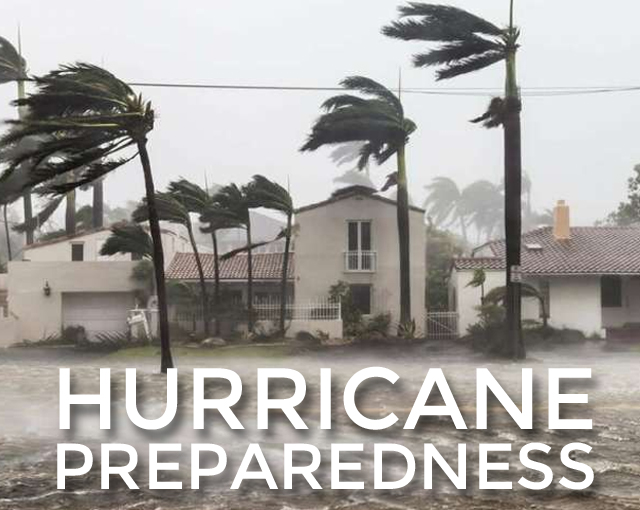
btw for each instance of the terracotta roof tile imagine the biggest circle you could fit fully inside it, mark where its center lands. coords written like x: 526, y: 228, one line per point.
x: 591, y: 250
x: 266, y: 266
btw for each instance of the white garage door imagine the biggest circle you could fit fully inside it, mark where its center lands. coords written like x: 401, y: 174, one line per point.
x: 97, y: 312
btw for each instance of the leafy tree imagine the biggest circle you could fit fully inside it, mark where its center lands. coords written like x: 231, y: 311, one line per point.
x: 468, y: 43
x: 14, y: 68
x: 271, y: 195
x: 171, y: 208
x: 442, y: 248
x: 628, y: 213
x: 94, y: 116
x: 378, y: 121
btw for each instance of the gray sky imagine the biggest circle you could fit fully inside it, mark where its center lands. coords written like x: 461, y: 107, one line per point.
x: 581, y: 149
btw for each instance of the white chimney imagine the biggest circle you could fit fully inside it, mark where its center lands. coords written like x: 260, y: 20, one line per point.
x: 561, y: 221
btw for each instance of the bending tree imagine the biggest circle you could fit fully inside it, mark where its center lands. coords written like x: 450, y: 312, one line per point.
x: 128, y: 239
x: 171, y: 209
x: 95, y: 116
x: 469, y: 43
x: 235, y: 203
x: 14, y: 68
x: 379, y: 122
x: 271, y: 195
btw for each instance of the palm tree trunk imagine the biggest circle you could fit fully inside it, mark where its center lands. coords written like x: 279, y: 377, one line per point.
x: 98, y: 204
x: 513, y: 207
x: 463, y: 229
x: 70, y: 223
x: 284, y: 281
x: 26, y: 196
x: 7, y: 232
x: 403, y: 239
x: 216, y: 277
x: 203, y: 285
x: 249, y: 278
x: 158, y: 259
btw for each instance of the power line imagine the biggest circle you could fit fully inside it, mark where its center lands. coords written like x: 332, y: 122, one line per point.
x: 559, y: 91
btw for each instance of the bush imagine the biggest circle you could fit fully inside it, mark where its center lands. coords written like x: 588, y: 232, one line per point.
x: 488, y: 334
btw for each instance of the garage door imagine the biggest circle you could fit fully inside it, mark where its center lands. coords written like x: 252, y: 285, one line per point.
x: 97, y: 312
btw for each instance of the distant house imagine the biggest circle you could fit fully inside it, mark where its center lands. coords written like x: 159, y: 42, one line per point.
x: 589, y: 276
x: 66, y: 282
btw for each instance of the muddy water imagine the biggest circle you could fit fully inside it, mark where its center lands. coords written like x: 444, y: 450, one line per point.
x: 29, y: 433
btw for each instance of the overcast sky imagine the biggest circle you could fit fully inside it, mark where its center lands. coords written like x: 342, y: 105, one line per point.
x: 581, y: 149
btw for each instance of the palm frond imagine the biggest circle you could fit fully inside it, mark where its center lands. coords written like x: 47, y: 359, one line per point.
x: 168, y: 208
x: 456, y: 51
x: 194, y: 198
x: 494, y: 116
x: 128, y: 238
x: 270, y: 195
x: 41, y: 217
x: 469, y: 65
x: 12, y: 65
x: 370, y: 87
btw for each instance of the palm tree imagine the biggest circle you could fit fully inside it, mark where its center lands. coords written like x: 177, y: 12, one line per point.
x: 271, y: 195
x: 128, y: 239
x: 171, y: 209
x: 14, y: 68
x: 378, y: 121
x: 235, y: 203
x: 477, y: 281
x: 445, y: 204
x: 469, y: 43
x: 483, y: 206
x: 95, y: 116
x: 498, y: 295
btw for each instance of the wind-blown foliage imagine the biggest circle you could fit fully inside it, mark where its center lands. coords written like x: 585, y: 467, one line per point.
x: 376, y: 119
x: 467, y: 43
x: 128, y: 238
x: 12, y: 65
x: 271, y: 195
x: 83, y: 117
x: 171, y: 208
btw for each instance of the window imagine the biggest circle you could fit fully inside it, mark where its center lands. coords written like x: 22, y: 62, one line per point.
x: 359, y: 256
x: 611, y: 291
x: 361, y: 298
x: 77, y: 252
x: 359, y: 236
x: 136, y: 257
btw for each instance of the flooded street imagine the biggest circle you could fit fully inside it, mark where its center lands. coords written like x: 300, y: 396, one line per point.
x: 29, y: 432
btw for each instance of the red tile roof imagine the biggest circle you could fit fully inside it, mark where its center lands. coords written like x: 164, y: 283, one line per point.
x: 266, y: 266
x: 591, y: 250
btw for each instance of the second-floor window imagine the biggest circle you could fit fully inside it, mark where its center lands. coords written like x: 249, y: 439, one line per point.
x: 77, y: 252
x: 360, y: 256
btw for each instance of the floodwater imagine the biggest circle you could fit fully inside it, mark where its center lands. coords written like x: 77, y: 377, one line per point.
x: 29, y: 433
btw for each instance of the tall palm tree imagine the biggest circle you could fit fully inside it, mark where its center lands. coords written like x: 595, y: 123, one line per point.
x: 271, y: 195
x: 171, y: 209
x: 469, y: 43
x: 378, y: 121
x: 13, y: 67
x: 95, y: 116
x: 483, y: 206
x: 235, y: 202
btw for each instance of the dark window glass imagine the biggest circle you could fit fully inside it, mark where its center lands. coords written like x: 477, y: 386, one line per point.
x: 136, y: 256
x: 77, y: 252
x: 353, y: 236
x: 361, y: 298
x: 611, y: 291
x: 365, y: 236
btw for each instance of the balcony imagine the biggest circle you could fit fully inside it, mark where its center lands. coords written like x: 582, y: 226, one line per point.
x: 360, y: 261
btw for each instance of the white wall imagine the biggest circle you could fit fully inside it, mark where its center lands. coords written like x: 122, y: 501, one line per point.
x: 60, y: 251
x: 322, y: 239
x: 575, y: 303
x: 39, y: 315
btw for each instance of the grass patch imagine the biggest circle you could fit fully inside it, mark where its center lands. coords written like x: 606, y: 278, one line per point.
x: 234, y: 351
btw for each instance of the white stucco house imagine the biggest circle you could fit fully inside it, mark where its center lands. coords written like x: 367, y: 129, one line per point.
x: 66, y: 282
x: 351, y: 237
x: 589, y: 276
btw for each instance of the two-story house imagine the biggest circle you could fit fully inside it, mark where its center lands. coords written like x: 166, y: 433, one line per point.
x: 353, y: 237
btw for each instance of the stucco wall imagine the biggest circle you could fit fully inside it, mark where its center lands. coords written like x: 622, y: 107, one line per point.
x: 39, y: 315
x: 575, y: 303
x: 322, y: 239
x: 172, y: 242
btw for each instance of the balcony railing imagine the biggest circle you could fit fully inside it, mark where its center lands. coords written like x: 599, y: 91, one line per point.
x: 360, y: 261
